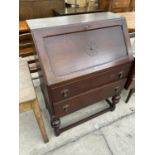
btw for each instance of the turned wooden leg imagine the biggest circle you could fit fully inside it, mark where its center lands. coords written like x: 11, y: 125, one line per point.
x: 129, y: 95
x: 56, y: 126
x: 38, y: 115
x: 115, y: 100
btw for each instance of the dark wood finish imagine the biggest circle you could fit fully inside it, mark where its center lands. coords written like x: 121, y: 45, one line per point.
x: 103, y: 4
x: 87, y: 83
x: 92, y: 63
x: 130, y: 18
x: 75, y: 11
x: 26, y: 44
x: 31, y: 9
x: 55, y: 123
x: 112, y: 106
x: 131, y: 91
x: 84, y: 99
x: 130, y: 84
x: 64, y: 67
x: 25, y: 36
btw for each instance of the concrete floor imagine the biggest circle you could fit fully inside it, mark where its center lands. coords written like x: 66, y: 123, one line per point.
x: 109, y: 134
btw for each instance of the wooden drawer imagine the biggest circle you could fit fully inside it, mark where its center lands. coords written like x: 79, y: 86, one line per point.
x: 120, y: 3
x: 87, y: 98
x: 74, y: 88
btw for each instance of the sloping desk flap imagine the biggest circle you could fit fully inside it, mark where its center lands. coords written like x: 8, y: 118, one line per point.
x: 75, y: 49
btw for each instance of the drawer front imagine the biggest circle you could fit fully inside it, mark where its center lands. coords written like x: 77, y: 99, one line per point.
x: 87, y: 98
x: 121, y: 4
x: 72, y: 89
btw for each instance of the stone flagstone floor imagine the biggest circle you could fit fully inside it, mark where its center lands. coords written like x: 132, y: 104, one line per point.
x: 109, y: 134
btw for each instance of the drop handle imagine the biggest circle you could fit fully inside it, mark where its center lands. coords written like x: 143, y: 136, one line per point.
x: 65, y: 92
x: 120, y: 74
x: 66, y: 108
x: 117, y: 89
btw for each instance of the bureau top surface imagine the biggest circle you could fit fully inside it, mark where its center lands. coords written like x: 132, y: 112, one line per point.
x: 69, y: 48
x: 73, y: 19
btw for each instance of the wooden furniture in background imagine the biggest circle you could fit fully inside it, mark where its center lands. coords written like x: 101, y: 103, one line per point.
x: 25, y: 40
x: 82, y: 3
x: 25, y: 44
x: 103, y: 4
x: 31, y: 9
x: 67, y: 5
x: 117, y: 5
x: 121, y: 5
x: 26, y: 48
x: 94, y: 67
x: 23, y: 27
x: 76, y: 11
x: 130, y: 18
x: 27, y: 97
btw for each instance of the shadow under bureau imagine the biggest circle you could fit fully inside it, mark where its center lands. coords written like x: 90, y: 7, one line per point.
x: 84, y: 59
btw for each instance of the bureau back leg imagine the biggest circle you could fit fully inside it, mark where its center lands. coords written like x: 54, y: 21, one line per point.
x: 129, y: 95
x: 55, y: 123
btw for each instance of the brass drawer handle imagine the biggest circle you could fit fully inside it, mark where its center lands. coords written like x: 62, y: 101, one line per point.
x: 65, y: 92
x: 66, y: 108
x: 117, y: 89
x: 120, y: 74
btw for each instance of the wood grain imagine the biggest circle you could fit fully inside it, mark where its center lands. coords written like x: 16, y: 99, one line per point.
x: 92, y: 63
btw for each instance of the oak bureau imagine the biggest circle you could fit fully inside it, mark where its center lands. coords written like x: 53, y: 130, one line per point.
x: 84, y: 59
